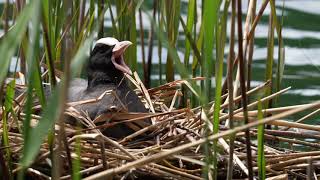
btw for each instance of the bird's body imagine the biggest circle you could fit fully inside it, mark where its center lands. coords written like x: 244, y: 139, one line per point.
x: 105, y: 72
x: 123, y: 99
x: 129, y: 100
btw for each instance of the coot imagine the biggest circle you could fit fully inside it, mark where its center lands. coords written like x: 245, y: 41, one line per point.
x: 105, y: 71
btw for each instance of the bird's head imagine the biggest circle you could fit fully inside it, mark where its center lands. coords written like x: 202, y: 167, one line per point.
x: 106, y: 60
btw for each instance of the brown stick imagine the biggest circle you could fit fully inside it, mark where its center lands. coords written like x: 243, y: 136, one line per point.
x: 164, y: 154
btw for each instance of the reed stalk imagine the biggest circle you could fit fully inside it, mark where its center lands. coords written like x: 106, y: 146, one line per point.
x: 200, y: 138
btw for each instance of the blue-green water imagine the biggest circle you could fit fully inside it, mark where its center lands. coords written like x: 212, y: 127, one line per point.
x: 301, y: 34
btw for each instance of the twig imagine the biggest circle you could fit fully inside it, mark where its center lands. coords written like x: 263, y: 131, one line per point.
x: 178, y: 149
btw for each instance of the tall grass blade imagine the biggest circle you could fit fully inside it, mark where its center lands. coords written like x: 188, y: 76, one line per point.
x: 251, y: 45
x: 261, y: 158
x: 243, y: 88
x: 48, y: 40
x: 196, y: 53
x: 148, y: 66
x: 81, y: 13
x: 220, y: 41
x: 115, y: 31
x: 10, y: 42
x: 197, y: 61
x: 59, y: 20
x: 34, y: 79
x: 131, y: 54
x: 5, y: 16
x: 50, y: 113
x: 270, y: 52
x: 143, y: 56
x: 281, y: 54
x: 189, y: 27
x: 126, y: 13
x: 161, y: 24
x: 209, y: 23
x: 100, y: 4
x: 172, y: 17
x: 281, y: 51
x: 181, y: 69
x: 76, y: 163
x: 8, y: 107
x: 230, y: 87
x: 191, y: 43
x: 172, y: 52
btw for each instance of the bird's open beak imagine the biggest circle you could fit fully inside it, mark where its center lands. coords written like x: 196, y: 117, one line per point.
x: 117, y: 57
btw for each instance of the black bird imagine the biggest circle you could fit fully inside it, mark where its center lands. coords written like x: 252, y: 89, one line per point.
x: 105, y: 71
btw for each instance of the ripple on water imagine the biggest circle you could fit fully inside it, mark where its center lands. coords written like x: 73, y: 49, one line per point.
x: 305, y: 92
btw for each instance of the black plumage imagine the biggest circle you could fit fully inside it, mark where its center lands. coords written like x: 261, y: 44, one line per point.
x: 105, y: 71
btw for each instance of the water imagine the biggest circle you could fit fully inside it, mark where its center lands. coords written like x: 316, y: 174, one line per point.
x: 301, y: 33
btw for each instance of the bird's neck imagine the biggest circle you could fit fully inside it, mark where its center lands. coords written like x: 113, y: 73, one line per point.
x: 102, y: 78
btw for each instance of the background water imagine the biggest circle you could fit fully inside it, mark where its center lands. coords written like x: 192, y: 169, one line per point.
x: 301, y: 33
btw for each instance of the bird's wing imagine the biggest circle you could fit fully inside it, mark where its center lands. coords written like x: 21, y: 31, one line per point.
x: 76, y: 89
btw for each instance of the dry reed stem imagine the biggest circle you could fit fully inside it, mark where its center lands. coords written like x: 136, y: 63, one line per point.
x: 251, y: 105
x: 278, y: 177
x: 307, y: 134
x: 272, y: 111
x: 291, y: 141
x: 300, y: 160
x: 305, y: 117
x: 284, y: 157
x: 162, y: 155
x: 235, y: 157
x: 176, y: 131
x: 295, y: 125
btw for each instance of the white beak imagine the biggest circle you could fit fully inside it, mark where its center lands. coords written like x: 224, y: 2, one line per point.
x: 117, y: 56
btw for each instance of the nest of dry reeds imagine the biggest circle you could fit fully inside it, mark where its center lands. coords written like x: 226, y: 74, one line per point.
x: 172, y: 147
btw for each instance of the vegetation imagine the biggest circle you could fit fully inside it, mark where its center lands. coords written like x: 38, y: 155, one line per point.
x: 197, y: 126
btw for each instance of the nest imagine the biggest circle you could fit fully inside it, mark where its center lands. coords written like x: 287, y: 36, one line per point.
x: 173, y: 146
